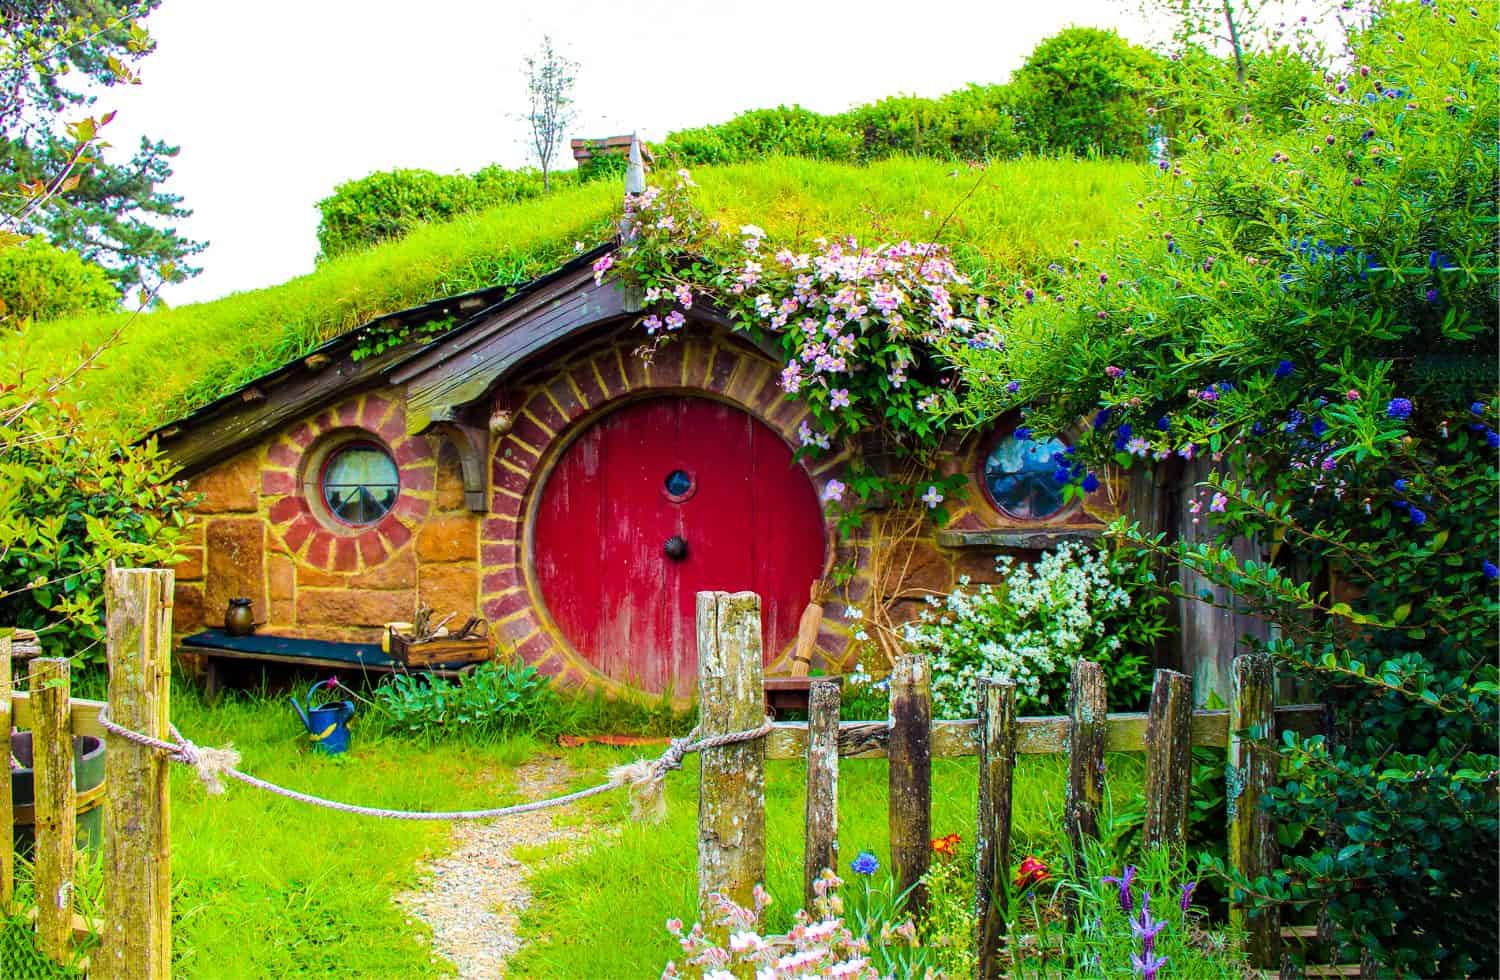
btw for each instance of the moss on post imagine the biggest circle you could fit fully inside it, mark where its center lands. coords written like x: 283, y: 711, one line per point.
x: 821, y: 837
x: 1169, y: 759
x: 56, y: 821
x: 731, y: 779
x: 1087, y: 725
x: 997, y: 765
x: 137, y: 938
x: 910, y: 753
x: 1250, y: 772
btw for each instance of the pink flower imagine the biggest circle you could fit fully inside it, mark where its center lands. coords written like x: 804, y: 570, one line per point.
x: 1114, y: 372
x: 838, y: 398
x: 601, y: 266
x: 1351, y: 395
x: 1218, y: 503
x: 675, y: 320
x: 834, y: 491
x: 684, y: 296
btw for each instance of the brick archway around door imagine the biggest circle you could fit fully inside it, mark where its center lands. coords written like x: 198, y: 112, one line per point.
x: 549, y: 406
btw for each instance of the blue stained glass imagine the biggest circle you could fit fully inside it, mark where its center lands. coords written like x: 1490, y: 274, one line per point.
x: 678, y: 483
x: 1018, y: 473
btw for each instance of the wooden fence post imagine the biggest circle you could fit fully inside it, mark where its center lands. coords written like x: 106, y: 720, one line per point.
x: 1251, y: 771
x: 7, y: 805
x: 731, y: 780
x: 136, y: 943
x: 821, y: 838
x: 55, y: 820
x: 910, y: 753
x: 1169, y: 759
x: 1087, y: 724
x: 997, y: 764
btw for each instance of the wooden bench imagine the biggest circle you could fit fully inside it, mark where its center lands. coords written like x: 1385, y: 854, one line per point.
x: 216, y: 647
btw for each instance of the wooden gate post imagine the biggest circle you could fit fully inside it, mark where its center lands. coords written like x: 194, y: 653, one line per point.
x: 1169, y: 759
x: 997, y: 764
x: 1087, y: 724
x: 7, y: 805
x: 731, y: 780
x: 910, y: 752
x: 53, y: 804
x: 821, y: 837
x: 137, y: 938
x: 1251, y: 771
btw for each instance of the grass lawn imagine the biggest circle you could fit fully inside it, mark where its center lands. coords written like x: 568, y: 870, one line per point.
x: 268, y: 887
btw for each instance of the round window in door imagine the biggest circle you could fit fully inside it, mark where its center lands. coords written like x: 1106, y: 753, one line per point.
x: 655, y: 502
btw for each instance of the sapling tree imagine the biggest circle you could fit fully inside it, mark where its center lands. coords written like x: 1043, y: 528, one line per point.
x: 549, y: 91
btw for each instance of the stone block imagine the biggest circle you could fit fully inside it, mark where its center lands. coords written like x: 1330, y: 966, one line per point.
x: 283, y: 612
x: 607, y: 367
x: 394, y: 532
x: 448, y: 538
x: 587, y: 384
x: 450, y: 588
x: 345, y: 555
x: 286, y: 509
x: 399, y: 572
x: 529, y: 431
x: 236, y: 564
x: 230, y: 487
x: 281, y: 577
x: 508, y: 479
x: 418, y: 479
x: 284, y: 454
x: 722, y: 370
x: 278, y: 483
x: 317, y: 578
x: 187, y: 608
x: 350, y: 608
x: 502, y: 606
x: 412, y: 509
x: 372, y: 550
x: 190, y: 569
x: 499, y: 580
x: 499, y: 529
x: 565, y: 398
x: 540, y: 407
x: 926, y: 569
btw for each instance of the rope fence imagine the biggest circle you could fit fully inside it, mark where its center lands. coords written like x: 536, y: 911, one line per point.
x: 644, y: 777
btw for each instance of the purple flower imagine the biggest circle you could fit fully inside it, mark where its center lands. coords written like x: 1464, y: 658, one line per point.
x: 1187, y: 894
x: 1123, y: 882
x: 1148, y: 965
x: 1218, y: 503
x: 1284, y: 370
x: 1431, y: 294
x: 1090, y: 483
x: 834, y: 490
x: 864, y: 864
x: 838, y: 398
x: 1030, y: 295
x: 1013, y: 386
x: 1399, y: 408
x: 1145, y: 928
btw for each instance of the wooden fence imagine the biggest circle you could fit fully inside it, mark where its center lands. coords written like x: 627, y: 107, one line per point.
x: 135, y: 929
x: 731, y: 829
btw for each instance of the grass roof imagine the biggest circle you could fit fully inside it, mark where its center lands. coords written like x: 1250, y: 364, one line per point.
x: 1002, y: 220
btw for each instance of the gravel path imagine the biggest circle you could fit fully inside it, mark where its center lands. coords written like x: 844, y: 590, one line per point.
x: 473, y: 896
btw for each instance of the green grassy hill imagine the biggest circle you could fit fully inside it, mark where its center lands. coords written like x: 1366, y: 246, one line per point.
x: 1002, y: 221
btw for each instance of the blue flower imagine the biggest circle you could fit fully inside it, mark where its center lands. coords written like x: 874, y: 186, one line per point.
x: 1122, y: 435
x: 1062, y: 475
x: 1022, y: 433
x: 1399, y: 408
x: 1477, y: 408
x: 1318, y: 427
x: 1258, y: 429
x: 1440, y: 261
x: 1431, y: 295
x: 1493, y: 438
x: 1101, y: 419
x: 1285, y: 369
x: 1090, y: 483
x: 864, y: 864
x: 1164, y: 423
x: 1490, y: 571
x: 1401, y: 485
x: 1418, y: 516
x: 1294, y: 418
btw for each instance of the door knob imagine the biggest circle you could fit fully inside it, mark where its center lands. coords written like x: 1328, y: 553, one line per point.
x: 675, y: 547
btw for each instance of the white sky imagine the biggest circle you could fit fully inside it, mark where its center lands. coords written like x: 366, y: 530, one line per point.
x: 273, y: 103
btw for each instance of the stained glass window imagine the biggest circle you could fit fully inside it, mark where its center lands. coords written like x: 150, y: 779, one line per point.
x: 1019, y: 476
x: 360, y: 483
x: 678, y: 483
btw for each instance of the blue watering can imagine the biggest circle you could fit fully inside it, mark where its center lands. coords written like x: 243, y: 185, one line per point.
x: 327, y: 725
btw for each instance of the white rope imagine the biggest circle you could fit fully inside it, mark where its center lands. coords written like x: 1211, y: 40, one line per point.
x: 643, y: 777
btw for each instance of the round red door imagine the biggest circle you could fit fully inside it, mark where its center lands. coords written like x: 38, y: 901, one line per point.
x: 660, y: 500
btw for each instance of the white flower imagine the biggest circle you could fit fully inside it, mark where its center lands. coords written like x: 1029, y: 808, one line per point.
x: 853, y: 612
x: 932, y: 497
x: 752, y: 231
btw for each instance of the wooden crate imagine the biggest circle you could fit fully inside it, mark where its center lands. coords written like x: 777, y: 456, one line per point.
x: 442, y: 651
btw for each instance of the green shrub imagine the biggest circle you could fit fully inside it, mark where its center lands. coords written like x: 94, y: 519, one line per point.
x: 73, y: 499
x: 497, y: 698
x: 40, y: 282
x: 1311, y: 317
x: 1085, y: 91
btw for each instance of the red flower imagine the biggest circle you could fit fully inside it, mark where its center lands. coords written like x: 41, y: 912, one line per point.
x: 1031, y: 872
x: 946, y: 846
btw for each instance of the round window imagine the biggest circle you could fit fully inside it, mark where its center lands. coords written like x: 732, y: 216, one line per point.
x: 1019, y: 476
x: 360, y: 483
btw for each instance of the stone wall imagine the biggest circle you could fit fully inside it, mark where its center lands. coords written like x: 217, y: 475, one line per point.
x: 255, y: 534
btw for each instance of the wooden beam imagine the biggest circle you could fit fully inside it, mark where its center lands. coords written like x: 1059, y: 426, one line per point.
x: 910, y: 778
x: 1087, y: 723
x: 55, y: 815
x: 1039, y: 540
x: 1036, y: 735
x: 997, y: 765
x: 820, y: 847
x: 1169, y: 760
x: 85, y: 720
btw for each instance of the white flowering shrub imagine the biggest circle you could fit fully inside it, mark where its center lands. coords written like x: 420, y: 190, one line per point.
x: 1077, y: 601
